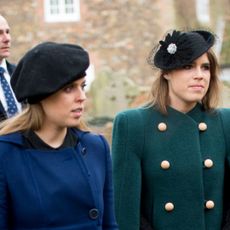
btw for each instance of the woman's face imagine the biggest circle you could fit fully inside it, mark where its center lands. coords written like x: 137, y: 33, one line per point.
x: 189, y: 84
x: 65, y: 107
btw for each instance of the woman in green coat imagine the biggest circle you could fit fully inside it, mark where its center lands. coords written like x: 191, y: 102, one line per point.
x: 169, y: 156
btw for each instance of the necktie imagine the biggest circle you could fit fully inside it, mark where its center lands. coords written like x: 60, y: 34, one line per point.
x: 11, y: 104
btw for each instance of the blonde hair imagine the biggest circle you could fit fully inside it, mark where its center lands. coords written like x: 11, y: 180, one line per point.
x: 31, y: 117
x: 160, y: 90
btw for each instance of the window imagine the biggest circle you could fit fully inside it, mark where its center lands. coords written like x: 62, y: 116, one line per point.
x: 90, y: 72
x: 202, y: 11
x: 62, y: 10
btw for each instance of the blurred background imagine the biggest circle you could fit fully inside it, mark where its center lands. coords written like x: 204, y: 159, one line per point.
x: 119, y: 34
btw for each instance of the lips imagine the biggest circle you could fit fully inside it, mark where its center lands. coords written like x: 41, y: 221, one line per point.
x: 77, y: 112
x: 78, y: 109
x: 5, y: 48
x: 196, y: 86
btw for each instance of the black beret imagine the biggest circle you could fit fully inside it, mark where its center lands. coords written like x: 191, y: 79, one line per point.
x: 181, y: 48
x: 46, y: 68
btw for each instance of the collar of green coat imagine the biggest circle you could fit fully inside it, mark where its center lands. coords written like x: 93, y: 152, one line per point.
x: 197, y: 113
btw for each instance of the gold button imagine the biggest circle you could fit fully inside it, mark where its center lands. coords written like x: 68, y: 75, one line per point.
x: 162, y: 126
x: 209, y: 204
x: 202, y: 126
x: 165, y: 164
x: 169, y: 206
x: 208, y: 163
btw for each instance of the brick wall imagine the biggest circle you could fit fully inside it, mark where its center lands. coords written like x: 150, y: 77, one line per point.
x: 118, y: 34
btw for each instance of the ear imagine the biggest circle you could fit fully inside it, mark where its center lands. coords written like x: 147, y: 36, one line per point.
x: 166, y: 76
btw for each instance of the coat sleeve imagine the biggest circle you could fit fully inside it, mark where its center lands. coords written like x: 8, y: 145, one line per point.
x: 225, y: 116
x: 3, y: 199
x: 127, y: 143
x: 109, y: 221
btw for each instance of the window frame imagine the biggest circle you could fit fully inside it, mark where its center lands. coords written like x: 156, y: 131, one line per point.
x: 62, y: 16
x: 203, y: 11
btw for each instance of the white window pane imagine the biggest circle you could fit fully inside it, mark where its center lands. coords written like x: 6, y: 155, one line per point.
x: 69, y: 2
x: 202, y: 11
x: 62, y: 10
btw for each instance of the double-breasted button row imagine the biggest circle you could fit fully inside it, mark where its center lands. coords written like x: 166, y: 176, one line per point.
x: 169, y: 206
x: 208, y: 163
x: 163, y: 126
x: 165, y: 164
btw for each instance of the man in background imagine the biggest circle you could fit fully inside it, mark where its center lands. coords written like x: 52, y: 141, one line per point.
x: 8, y: 103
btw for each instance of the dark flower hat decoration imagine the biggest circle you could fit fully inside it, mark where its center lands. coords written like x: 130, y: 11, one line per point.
x: 181, y: 48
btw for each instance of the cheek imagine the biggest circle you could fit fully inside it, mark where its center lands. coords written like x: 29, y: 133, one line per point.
x: 207, y: 79
x: 53, y: 109
x: 178, y: 83
x: 208, y: 84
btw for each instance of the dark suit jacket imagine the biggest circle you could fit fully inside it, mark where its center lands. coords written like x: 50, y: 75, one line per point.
x: 10, y: 68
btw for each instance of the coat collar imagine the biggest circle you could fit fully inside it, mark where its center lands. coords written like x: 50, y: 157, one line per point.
x: 16, y: 137
x: 195, y: 113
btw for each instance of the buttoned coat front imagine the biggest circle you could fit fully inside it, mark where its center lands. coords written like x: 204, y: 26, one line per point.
x: 67, y: 189
x: 169, y: 168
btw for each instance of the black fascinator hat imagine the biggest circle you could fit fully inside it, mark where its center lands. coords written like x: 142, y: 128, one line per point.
x: 181, y: 48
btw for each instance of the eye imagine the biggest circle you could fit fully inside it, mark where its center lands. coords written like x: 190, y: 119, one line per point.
x: 206, y: 67
x: 83, y: 86
x: 189, y: 66
x: 68, y: 88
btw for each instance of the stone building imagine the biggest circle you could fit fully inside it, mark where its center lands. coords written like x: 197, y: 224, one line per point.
x: 118, y: 34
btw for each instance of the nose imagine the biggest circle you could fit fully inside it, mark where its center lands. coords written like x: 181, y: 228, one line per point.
x: 6, y: 37
x: 199, y: 73
x: 81, y: 96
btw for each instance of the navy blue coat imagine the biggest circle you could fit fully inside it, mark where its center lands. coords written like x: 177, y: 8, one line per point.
x: 68, y: 189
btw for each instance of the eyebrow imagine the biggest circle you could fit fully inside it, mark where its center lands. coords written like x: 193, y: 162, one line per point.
x: 204, y: 63
x: 75, y: 83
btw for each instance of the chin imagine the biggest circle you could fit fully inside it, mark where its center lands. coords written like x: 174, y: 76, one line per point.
x: 6, y: 55
x: 196, y: 98
x: 73, y: 124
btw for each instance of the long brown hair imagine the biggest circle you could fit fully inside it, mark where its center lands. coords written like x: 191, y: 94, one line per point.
x: 160, y: 90
x: 31, y: 117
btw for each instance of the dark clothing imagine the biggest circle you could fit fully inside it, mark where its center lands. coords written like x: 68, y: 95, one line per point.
x: 68, y: 188
x: 32, y: 141
x: 10, y: 68
x: 170, y: 168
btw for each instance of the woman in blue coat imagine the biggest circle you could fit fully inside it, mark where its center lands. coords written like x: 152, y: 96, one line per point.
x: 53, y: 175
x: 170, y: 156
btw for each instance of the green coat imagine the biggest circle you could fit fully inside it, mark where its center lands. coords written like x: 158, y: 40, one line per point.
x: 175, y: 175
